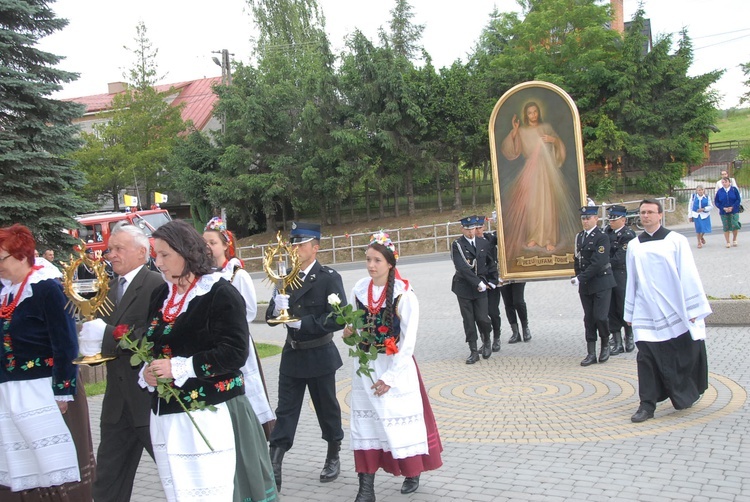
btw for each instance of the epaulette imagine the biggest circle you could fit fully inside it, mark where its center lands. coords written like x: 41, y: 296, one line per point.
x: 324, y: 268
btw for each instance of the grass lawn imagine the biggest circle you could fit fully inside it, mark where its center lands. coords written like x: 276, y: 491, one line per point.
x: 264, y: 350
x: 734, y: 126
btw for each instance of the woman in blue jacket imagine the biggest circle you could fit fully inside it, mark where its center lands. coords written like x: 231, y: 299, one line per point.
x: 727, y: 199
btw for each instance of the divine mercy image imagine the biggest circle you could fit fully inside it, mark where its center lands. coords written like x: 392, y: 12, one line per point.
x: 539, y: 185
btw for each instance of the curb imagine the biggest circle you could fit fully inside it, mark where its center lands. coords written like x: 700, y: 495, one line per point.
x: 728, y: 312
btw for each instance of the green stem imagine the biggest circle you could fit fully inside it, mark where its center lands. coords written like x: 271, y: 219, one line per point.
x: 176, y: 395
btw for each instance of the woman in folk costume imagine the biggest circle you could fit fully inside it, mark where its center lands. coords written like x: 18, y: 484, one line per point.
x: 46, y: 449
x: 392, y: 424
x: 700, y: 214
x: 200, y: 338
x: 222, y: 245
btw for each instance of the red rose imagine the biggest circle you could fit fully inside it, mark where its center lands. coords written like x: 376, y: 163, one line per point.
x: 390, y: 347
x: 383, y: 330
x: 120, y: 331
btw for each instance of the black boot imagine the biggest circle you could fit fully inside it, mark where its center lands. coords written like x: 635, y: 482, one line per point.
x: 366, y: 491
x: 486, y: 348
x: 615, y: 347
x: 526, y: 334
x: 474, y: 355
x: 332, y: 467
x: 516, y: 336
x: 629, y: 343
x: 591, y: 356
x: 277, y: 456
x: 410, y: 485
x: 496, y: 343
x: 604, y: 352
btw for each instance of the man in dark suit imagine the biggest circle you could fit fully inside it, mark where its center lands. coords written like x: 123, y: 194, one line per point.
x: 493, y: 282
x: 471, y: 257
x: 126, y: 406
x: 595, y: 282
x: 619, y: 237
x: 309, y: 358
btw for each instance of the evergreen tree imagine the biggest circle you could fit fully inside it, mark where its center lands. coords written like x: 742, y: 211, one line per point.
x: 39, y: 186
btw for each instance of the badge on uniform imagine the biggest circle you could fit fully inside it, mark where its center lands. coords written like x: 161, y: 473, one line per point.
x: 625, y: 246
x: 601, y: 249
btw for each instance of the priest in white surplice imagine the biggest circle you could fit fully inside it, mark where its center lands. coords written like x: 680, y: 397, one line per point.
x: 666, y: 306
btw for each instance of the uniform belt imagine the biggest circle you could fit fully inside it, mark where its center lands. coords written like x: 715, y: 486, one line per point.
x: 310, y: 344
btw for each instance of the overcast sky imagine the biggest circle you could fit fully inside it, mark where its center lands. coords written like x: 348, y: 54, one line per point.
x: 187, y: 31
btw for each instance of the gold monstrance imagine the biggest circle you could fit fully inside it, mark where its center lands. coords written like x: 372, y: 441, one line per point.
x: 276, y: 263
x: 95, y: 301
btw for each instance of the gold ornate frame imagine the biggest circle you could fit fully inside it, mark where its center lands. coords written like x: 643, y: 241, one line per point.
x: 516, y: 260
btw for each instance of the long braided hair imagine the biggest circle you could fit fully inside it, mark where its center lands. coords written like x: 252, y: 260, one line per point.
x: 389, y: 304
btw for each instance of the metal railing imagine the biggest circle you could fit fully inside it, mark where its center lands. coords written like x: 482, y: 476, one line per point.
x: 348, y: 248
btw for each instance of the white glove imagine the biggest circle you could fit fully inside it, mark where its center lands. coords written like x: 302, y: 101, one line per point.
x: 295, y: 324
x: 281, y: 302
x: 574, y: 281
x: 482, y: 287
x: 91, y: 336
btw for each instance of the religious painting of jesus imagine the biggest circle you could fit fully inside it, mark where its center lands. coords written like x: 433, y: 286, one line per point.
x: 539, y: 180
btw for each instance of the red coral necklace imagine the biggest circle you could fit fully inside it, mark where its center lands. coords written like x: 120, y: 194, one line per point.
x: 171, y: 310
x: 374, y: 307
x: 6, y: 311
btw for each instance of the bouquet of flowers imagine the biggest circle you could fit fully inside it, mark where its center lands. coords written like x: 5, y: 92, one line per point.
x: 165, y: 388
x: 348, y: 316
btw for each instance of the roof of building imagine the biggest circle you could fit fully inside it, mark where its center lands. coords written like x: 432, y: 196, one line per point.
x: 197, y: 96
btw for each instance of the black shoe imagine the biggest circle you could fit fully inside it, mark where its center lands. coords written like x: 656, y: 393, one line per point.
x: 332, y: 466
x: 629, y: 343
x: 641, y: 415
x: 473, y: 357
x: 496, y: 344
x: 590, y: 354
x: 486, y: 350
x: 277, y: 456
x: 526, y: 334
x: 615, y: 345
x: 366, y: 491
x: 410, y: 485
x: 516, y: 336
x: 604, y: 352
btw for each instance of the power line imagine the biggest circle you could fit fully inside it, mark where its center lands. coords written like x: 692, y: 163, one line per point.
x: 719, y: 34
x: 723, y: 42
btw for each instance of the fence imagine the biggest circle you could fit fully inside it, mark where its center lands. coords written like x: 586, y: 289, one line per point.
x: 349, y: 248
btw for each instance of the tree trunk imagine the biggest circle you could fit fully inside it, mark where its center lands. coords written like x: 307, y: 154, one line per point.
x: 456, y: 186
x: 395, y: 201
x: 473, y: 188
x: 367, y: 200
x: 410, y: 207
x: 439, y: 194
x: 381, y: 203
x: 337, y: 211
x: 351, y: 201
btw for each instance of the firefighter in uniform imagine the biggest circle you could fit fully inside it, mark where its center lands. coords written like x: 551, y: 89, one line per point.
x: 619, y: 236
x: 471, y: 257
x: 595, y: 282
x: 493, y: 293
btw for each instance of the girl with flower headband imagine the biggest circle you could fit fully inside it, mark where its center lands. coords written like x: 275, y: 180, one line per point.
x: 384, y: 433
x: 221, y: 243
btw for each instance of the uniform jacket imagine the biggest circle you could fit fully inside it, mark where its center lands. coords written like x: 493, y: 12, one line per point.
x: 309, y: 303
x: 618, y: 247
x: 494, y: 276
x: 123, y: 390
x: 213, y: 330
x: 41, y: 339
x: 472, y: 268
x: 592, y: 265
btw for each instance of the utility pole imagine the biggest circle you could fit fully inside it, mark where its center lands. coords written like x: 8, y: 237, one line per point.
x: 226, y: 76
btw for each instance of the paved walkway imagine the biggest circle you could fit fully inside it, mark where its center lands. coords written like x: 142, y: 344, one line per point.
x: 530, y: 423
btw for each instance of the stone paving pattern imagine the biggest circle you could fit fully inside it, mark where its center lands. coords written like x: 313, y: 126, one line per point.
x: 530, y: 423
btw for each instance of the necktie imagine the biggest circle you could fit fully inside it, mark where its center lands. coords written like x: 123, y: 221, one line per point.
x: 120, y: 289
x: 301, y: 276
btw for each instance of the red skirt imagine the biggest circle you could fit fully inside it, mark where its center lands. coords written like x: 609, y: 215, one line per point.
x: 369, y: 461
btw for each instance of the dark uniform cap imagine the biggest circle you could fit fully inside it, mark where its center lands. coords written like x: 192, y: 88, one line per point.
x: 589, y: 211
x: 617, y: 212
x: 470, y: 221
x: 303, y: 232
x: 480, y: 221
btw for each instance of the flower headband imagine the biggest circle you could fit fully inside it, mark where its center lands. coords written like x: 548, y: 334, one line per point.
x: 384, y: 239
x: 217, y: 225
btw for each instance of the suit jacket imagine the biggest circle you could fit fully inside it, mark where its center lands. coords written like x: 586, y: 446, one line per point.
x: 470, y: 273
x: 122, y: 378
x: 618, y: 248
x: 309, y: 303
x: 592, y: 265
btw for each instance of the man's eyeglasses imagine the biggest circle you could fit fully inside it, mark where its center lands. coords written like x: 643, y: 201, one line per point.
x: 644, y: 213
